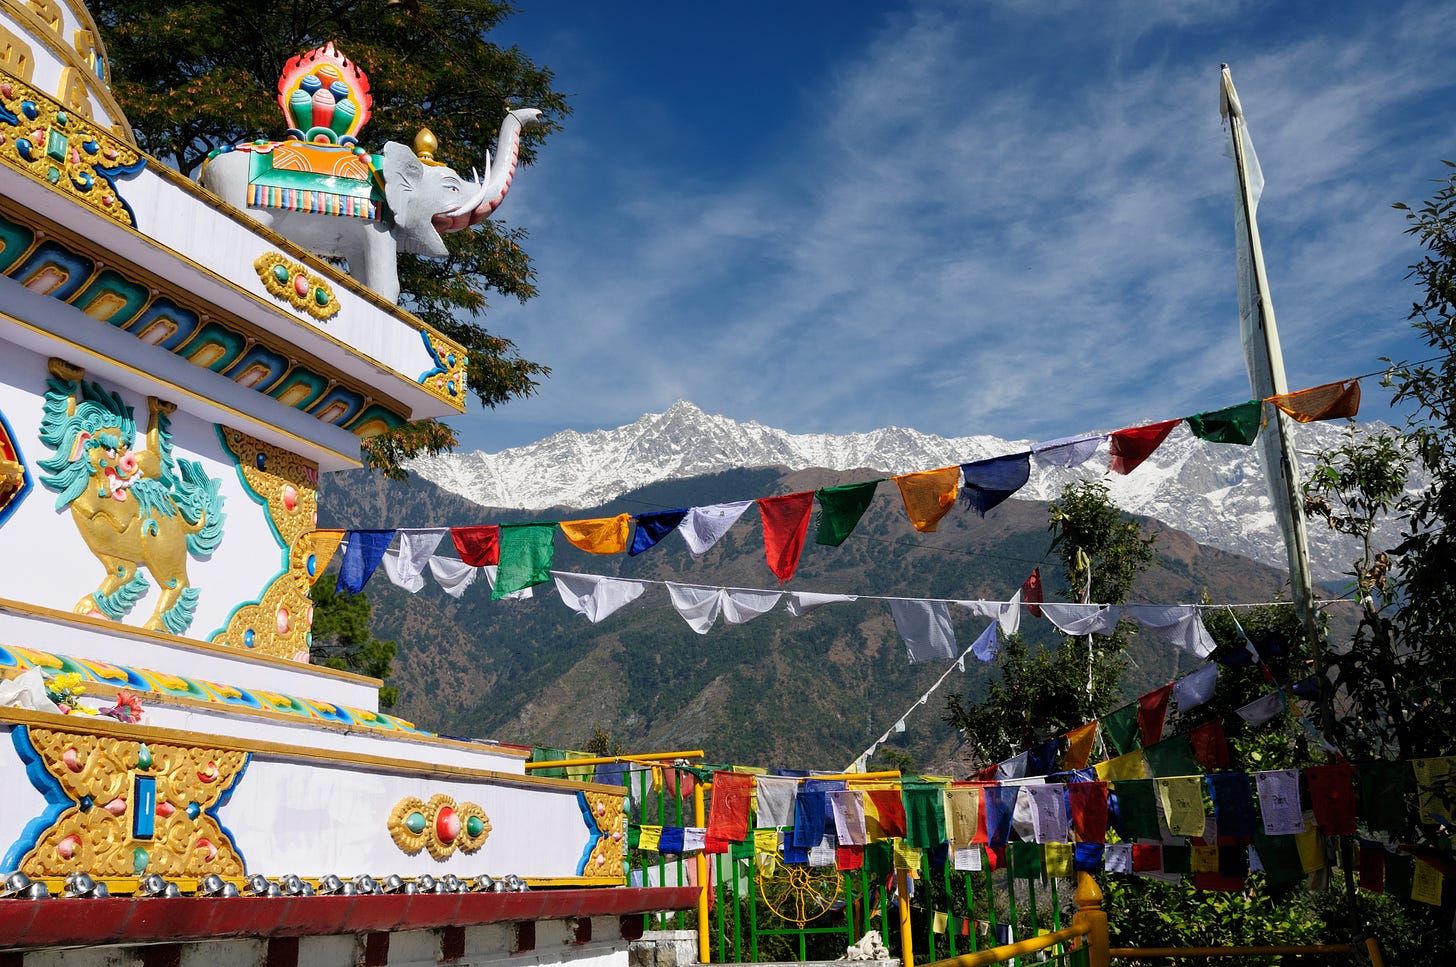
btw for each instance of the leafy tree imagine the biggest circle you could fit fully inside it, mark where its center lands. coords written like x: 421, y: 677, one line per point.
x: 1044, y: 692
x: 195, y: 76
x: 342, y: 639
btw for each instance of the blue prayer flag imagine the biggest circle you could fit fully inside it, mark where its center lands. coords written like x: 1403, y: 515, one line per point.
x: 988, y: 482
x: 363, y: 550
x: 653, y: 527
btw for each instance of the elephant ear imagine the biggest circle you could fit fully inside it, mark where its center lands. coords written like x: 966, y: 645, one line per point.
x: 409, y: 202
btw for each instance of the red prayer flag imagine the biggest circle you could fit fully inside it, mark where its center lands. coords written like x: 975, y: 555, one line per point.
x: 728, y: 820
x: 1031, y: 593
x: 890, y: 809
x: 849, y: 857
x: 477, y: 546
x: 1209, y: 745
x: 1152, y: 710
x: 1135, y: 444
x: 1372, y: 869
x: 1089, y: 810
x: 995, y: 857
x: 785, y: 523
x: 1147, y: 857
x: 1332, y: 791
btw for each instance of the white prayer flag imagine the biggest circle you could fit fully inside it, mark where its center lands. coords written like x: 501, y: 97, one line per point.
x: 596, y: 596
x: 1193, y: 690
x: 802, y: 602
x: 775, y: 801
x: 1279, y: 802
x: 1082, y: 619
x: 925, y: 628
x: 406, y: 566
x: 452, y: 574
x: 705, y: 526
x: 1180, y: 625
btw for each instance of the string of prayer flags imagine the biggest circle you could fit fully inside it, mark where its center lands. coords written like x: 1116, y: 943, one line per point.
x: 653, y: 527
x: 705, y: 526
x: 477, y: 546
x: 928, y: 496
x: 840, y: 510
x: 700, y: 605
x: 363, y: 550
x: 603, y: 535
x: 1332, y: 401
x: 526, y: 551
x: 1067, y: 452
x: 1152, y: 710
x: 728, y: 815
x: 989, y: 482
x: 1130, y: 447
x: 1232, y: 424
x: 595, y: 596
x: 785, y: 525
x: 925, y: 627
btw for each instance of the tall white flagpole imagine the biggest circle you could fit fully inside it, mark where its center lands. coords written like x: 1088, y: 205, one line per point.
x: 1265, y: 361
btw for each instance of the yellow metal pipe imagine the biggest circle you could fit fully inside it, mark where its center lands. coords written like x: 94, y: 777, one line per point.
x: 700, y: 818
x: 1159, y: 953
x: 653, y: 757
x: 907, y: 941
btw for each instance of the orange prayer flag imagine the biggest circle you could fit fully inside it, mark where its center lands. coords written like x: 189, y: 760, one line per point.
x: 1079, y: 746
x: 604, y: 535
x: 1331, y: 401
x: 325, y: 543
x: 929, y: 495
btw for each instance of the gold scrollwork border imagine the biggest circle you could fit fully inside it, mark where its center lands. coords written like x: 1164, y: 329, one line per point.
x: 283, y: 278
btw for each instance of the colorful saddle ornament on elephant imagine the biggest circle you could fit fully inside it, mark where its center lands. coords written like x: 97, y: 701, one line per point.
x: 302, y: 177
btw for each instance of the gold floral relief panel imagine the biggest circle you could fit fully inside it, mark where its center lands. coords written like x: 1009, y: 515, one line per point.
x: 286, y: 485
x: 608, y: 812
x: 135, y: 808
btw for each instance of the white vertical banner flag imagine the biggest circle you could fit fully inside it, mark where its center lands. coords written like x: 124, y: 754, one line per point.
x: 594, y: 595
x: 704, y: 526
x: 925, y: 627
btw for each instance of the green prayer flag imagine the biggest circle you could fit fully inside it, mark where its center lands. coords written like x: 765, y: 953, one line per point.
x: 1025, y: 860
x: 1232, y: 424
x: 924, y: 814
x: 1172, y: 757
x: 1137, y: 805
x: 1279, y: 855
x: 1382, y: 794
x: 840, y: 509
x: 540, y: 754
x: 525, y: 557
x: 1399, y: 873
x: 634, y: 836
x: 1177, y: 859
x: 1120, y: 729
x: 879, y: 858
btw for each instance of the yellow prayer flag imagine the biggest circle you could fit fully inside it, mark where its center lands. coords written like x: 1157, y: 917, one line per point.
x: 929, y: 495
x: 651, y: 836
x: 1130, y: 766
x: 1331, y: 401
x: 605, y: 535
x: 325, y: 543
x: 657, y: 778
x: 1079, y: 746
x: 1426, y: 883
x: 1311, y: 847
x: 765, y: 841
x: 942, y: 920
x: 1183, y: 805
x: 1204, y: 859
x: 962, y: 812
x: 1057, y: 859
x: 1436, y: 779
x: 906, y: 857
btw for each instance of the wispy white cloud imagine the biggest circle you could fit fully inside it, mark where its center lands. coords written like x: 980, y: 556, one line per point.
x: 1011, y: 219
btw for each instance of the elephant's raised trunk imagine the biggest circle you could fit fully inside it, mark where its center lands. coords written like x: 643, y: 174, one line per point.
x: 491, y: 191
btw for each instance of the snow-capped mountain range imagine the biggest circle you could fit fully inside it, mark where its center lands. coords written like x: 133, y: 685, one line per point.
x: 1214, y: 492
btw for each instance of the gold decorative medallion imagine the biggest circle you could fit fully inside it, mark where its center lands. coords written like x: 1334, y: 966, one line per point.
x: 135, y: 808
x: 440, y: 826
x: 56, y: 143
x: 286, y: 485
x: 608, y: 812
x: 292, y: 283
x: 446, y: 380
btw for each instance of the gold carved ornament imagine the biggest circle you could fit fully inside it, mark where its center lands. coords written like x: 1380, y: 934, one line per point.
x: 278, y: 623
x: 609, y: 814
x: 440, y: 826
x: 291, y: 282
x: 96, y: 834
x: 56, y: 143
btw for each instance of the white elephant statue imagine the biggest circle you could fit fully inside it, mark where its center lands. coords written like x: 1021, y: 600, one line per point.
x: 326, y: 197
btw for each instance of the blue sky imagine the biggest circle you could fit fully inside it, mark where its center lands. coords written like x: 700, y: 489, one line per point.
x: 1011, y: 218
